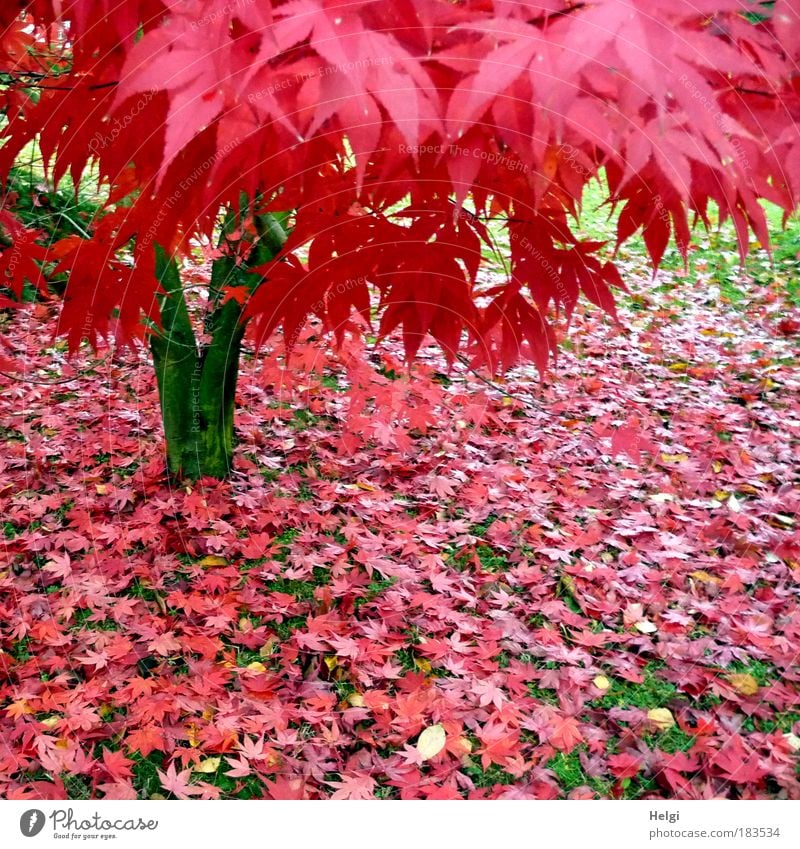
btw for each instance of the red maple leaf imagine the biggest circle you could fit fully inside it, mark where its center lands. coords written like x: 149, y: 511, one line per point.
x: 565, y: 733
x: 177, y: 783
x: 736, y: 762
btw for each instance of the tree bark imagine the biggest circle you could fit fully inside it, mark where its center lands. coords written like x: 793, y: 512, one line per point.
x: 197, y: 383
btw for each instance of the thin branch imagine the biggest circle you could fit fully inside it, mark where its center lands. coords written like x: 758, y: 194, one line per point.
x: 20, y: 77
x: 744, y: 90
x: 551, y: 16
x: 77, y: 376
x: 490, y: 383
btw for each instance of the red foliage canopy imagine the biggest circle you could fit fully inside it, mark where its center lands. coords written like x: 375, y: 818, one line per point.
x: 392, y: 131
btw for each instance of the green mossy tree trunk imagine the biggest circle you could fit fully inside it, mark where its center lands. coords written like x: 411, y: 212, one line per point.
x: 197, y: 382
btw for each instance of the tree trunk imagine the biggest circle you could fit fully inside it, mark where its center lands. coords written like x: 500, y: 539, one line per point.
x: 197, y: 383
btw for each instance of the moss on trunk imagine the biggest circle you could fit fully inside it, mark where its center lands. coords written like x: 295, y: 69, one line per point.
x: 197, y: 383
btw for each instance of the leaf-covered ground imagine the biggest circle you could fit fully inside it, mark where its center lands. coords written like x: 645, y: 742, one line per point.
x: 586, y: 588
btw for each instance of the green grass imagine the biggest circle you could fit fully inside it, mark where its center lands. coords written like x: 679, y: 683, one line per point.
x: 287, y: 537
x: 491, y: 560
x: 488, y: 777
x: 671, y: 741
x: 303, y: 419
x: 147, y: 783
x: 764, y: 673
x: 251, y: 787
x: 543, y: 694
x: 373, y: 590
x: 480, y: 528
x: 285, y: 629
x: 145, y: 776
x: 407, y: 658
x: 783, y: 723
x: 570, y: 773
x: 138, y: 590
x: 82, y: 620
x: 301, y: 590
x: 282, y: 544
x: 653, y: 692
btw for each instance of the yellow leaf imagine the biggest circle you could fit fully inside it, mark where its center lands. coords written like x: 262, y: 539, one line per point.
x: 355, y: 700
x: 716, y: 466
x: 568, y: 583
x: 50, y: 721
x: 423, y: 665
x: 100, y: 488
x: 662, y: 718
x: 368, y: 487
x: 465, y: 745
x: 267, y: 648
x: 674, y: 458
x: 208, y: 766
x: 601, y: 682
x: 331, y: 662
x: 191, y: 733
x: 20, y: 707
x: 645, y: 627
x: 257, y: 666
x: 431, y: 742
x: 212, y: 560
x: 678, y: 366
x: 700, y: 575
x: 743, y: 683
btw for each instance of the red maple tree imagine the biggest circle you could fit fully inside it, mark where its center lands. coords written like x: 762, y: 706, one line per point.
x: 340, y: 160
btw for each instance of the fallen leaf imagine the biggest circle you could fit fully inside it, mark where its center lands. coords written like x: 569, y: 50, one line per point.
x: 208, y: 766
x: 793, y: 740
x: 743, y: 683
x: 212, y: 560
x: 465, y: 744
x: 661, y: 718
x: 431, y: 741
x: 704, y: 577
